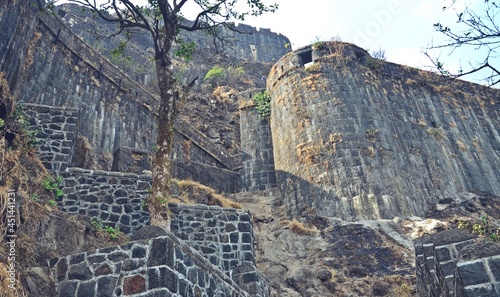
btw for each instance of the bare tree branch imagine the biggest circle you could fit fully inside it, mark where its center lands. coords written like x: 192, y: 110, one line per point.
x: 478, y: 30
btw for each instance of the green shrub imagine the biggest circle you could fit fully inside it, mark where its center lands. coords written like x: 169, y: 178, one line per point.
x: 240, y: 70
x: 215, y: 73
x: 24, y: 125
x: 263, y: 104
x: 483, y: 229
x: 110, y: 232
x: 54, y: 185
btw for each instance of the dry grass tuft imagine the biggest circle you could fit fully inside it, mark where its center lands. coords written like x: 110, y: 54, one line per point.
x: 298, y: 227
x: 402, y: 287
x: 4, y: 283
x: 421, y: 122
x: 195, y: 193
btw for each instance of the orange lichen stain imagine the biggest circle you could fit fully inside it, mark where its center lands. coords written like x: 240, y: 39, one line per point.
x: 313, y: 81
x: 307, y: 153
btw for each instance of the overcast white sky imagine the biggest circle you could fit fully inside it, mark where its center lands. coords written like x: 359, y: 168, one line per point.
x: 400, y: 27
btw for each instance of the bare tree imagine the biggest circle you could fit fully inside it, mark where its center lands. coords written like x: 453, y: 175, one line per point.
x: 163, y: 20
x: 476, y: 29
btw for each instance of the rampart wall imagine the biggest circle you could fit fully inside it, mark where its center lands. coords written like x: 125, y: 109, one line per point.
x: 114, y: 114
x: 62, y: 71
x: 450, y: 264
x: 356, y: 137
x: 118, y: 199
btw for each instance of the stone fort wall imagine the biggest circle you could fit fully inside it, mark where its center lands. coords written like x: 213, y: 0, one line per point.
x: 359, y: 138
x: 96, y: 103
x: 256, y: 146
x: 111, y: 118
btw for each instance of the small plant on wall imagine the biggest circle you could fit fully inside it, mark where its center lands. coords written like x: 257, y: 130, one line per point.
x: 483, y: 228
x: 263, y: 104
x: 54, y: 186
x: 371, y: 133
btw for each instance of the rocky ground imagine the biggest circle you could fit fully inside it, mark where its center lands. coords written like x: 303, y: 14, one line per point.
x: 326, y: 257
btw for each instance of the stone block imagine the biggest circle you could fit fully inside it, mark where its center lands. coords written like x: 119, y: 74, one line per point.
x: 61, y: 269
x: 472, y: 273
x: 118, y: 256
x: 79, y: 272
x: 68, y: 289
x: 103, y: 269
x: 494, y: 265
x: 134, y: 285
x: 244, y: 227
x: 161, y: 252
x: 105, y: 286
x: 75, y: 259
x: 86, y: 289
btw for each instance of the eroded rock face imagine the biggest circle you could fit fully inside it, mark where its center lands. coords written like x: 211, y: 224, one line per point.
x: 358, y: 138
x: 334, y: 259
x: 38, y: 282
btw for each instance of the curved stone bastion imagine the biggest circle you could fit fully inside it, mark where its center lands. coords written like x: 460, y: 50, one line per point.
x: 359, y: 138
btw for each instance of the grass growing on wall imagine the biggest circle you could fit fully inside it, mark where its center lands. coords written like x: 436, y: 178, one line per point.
x: 192, y: 192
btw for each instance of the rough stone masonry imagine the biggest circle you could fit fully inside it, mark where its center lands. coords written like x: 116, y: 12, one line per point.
x: 359, y: 138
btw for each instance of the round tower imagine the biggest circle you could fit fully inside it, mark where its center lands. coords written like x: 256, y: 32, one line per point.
x: 360, y: 138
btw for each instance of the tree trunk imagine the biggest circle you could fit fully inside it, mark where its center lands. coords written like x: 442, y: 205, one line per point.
x: 162, y: 164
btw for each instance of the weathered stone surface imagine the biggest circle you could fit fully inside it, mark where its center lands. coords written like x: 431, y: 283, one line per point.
x: 79, y: 272
x: 256, y: 145
x: 134, y: 285
x: 38, y: 282
x: 358, y: 138
x: 219, y: 234
x: 153, y: 273
x: 148, y: 232
x: 334, y: 260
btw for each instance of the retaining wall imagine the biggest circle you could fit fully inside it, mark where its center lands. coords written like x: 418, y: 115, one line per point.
x: 223, y: 235
x: 55, y: 130
x: 115, y: 198
x: 163, y: 266
x: 63, y: 71
x: 451, y: 264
